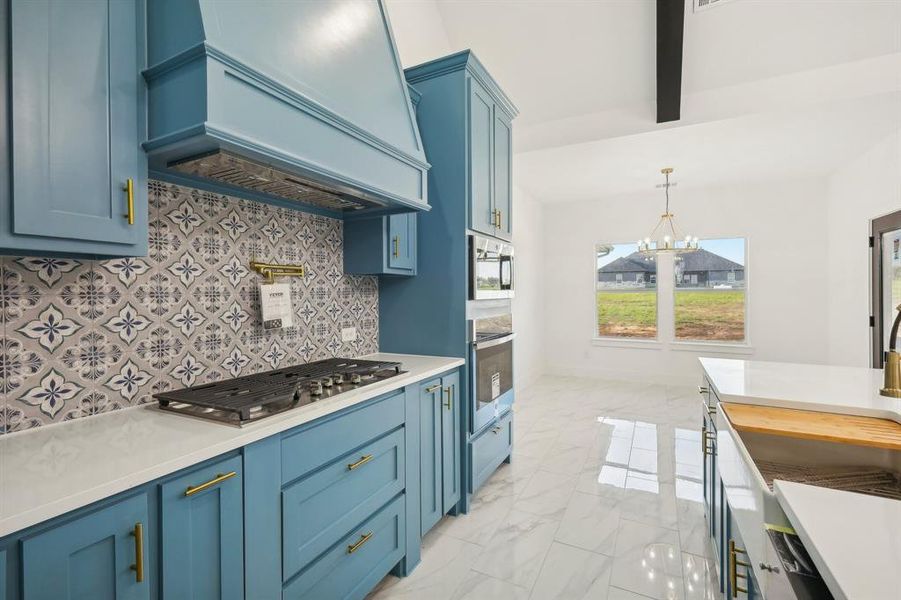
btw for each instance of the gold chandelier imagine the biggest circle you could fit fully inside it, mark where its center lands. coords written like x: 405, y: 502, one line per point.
x: 666, y: 238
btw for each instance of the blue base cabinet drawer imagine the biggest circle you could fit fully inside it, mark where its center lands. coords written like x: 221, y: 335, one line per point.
x: 351, y: 568
x: 103, y: 555
x: 311, y: 447
x: 491, y: 448
x: 321, y: 508
x: 203, y: 533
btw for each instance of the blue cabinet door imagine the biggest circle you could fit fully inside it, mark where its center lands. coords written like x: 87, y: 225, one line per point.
x: 402, y: 241
x: 502, y: 168
x: 481, y: 129
x: 431, y: 461
x: 450, y: 441
x: 74, y: 78
x: 101, y: 556
x: 3, y: 575
x: 203, y: 533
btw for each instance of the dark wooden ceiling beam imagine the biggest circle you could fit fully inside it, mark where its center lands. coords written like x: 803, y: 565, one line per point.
x: 670, y: 28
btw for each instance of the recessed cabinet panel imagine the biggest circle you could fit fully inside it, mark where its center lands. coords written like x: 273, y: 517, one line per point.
x: 450, y: 440
x: 103, y: 555
x: 402, y: 241
x: 203, y: 533
x: 503, y: 200
x: 430, y: 458
x: 74, y: 77
x: 481, y: 115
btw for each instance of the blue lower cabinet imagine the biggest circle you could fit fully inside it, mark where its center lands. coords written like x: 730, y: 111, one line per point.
x: 321, y: 508
x: 3, y: 583
x: 360, y: 559
x: 383, y: 245
x: 430, y: 464
x: 203, y: 533
x: 491, y: 448
x: 102, y: 555
x: 450, y: 441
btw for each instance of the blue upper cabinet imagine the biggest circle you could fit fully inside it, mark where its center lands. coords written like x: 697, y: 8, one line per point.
x: 282, y: 101
x: 103, y: 555
x: 383, y: 245
x: 457, y: 92
x: 78, y: 173
x: 203, y: 533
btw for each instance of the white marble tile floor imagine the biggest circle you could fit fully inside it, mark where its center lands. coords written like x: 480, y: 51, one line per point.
x: 602, y: 501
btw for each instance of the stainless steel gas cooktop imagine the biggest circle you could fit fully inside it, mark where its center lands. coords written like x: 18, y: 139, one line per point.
x: 247, y: 399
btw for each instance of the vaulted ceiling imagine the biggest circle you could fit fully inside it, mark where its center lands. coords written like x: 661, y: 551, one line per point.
x: 583, y: 76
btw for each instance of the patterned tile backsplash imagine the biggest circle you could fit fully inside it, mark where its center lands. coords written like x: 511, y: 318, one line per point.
x: 82, y: 337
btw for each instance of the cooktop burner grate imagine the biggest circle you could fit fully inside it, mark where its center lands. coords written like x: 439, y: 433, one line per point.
x: 252, y: 397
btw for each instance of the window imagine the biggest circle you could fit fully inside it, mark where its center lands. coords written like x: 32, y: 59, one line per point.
x: 626, y: 304
x: 709, y: 303
x: 885, y: 280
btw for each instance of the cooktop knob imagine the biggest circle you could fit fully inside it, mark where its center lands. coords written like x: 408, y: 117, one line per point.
x: 338, y: 378
x: 355, y: 378
x: 316, y: 388
x: 327, y: 382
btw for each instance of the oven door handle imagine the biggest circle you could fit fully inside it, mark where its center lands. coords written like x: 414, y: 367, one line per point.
x: 493, y: 342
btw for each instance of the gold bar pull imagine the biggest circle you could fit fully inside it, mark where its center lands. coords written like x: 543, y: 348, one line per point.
x: 363, y: 539
x: 432, y: 388
x: 499, y: 219
x: 702, y: 390
x: 495, y: 430
x: 396, y: 246
x: 138, y: 567
x: 363, y: 460
x: 129, y: 190
x: 734, y: 575
x: 219, y: 478
x: 450, y: 396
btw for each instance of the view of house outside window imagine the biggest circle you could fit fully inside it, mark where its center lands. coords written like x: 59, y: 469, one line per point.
x: 710, y: 288
x: 626, y: 292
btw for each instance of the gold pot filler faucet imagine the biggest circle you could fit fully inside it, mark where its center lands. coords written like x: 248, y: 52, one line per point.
x: 892, y: 383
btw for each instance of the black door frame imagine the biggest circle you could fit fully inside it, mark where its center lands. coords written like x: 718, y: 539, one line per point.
x: 878, y: 226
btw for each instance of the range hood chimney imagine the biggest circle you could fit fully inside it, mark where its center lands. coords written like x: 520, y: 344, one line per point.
x: 302, y: 104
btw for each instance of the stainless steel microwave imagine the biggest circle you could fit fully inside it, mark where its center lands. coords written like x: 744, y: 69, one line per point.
x: 490, y: 268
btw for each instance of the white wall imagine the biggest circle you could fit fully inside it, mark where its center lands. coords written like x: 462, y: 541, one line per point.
x: 418, y: 31
x: 784, y: 223
x: 867, y: 187
x: 528, y: 305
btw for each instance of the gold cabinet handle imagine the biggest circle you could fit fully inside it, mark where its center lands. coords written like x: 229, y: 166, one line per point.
x: 707, y: 448
x: 499, y: 219
x: 363, y: 460
x: 450, y: 396
x: 396, y: 246
x: 432, y: 388
x: 702, y: 390
x: 219, y: 478
x: 138, y: 567
x: 495, y: 430
x: 356, y: 546
x: 129, y: 190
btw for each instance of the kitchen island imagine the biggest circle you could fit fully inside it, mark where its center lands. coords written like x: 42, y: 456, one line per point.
x: 846, y: 533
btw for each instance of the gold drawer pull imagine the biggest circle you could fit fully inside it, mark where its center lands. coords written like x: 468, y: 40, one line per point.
x: 702, y: 390
x: 496, y: 430
x: 432, y: 388
x: 138, y: 567
x: 450, y: 397
x: 396, y: 246
x: 363, y: 460
x: 734, y: 575
x: 363, y: 539
x: 219, y: 478
x: 129, y: 190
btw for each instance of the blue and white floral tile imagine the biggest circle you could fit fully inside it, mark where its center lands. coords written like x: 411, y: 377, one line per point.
x: 48, y: 275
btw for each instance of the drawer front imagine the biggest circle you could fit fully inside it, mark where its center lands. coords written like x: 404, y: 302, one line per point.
x: 312, y: 447
x: 321, y: 508
x: 351, y: 568
x: 490, y: 449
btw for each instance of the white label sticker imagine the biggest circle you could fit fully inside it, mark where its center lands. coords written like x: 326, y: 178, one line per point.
x: 275, y: 301
x: 495, y: 385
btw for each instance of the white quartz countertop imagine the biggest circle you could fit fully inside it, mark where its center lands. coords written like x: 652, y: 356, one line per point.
x: 855, y: 540
x: 823, y: 388
x: 51, y: 470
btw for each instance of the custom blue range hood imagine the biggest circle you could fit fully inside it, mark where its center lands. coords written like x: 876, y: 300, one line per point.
x: 302, y: 104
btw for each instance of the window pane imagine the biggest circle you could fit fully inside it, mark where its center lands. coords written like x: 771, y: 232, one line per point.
x: 891, y: 281
x: 626, y: 292
x: 710, y: 292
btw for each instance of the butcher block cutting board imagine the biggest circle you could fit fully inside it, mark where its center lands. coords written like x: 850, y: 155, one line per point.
x: 811, y: 425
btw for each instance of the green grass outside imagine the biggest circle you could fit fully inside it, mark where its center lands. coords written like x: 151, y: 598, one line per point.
x: 700, y: 314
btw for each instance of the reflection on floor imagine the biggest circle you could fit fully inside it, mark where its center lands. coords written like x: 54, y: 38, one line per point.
x: 602, y: 500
